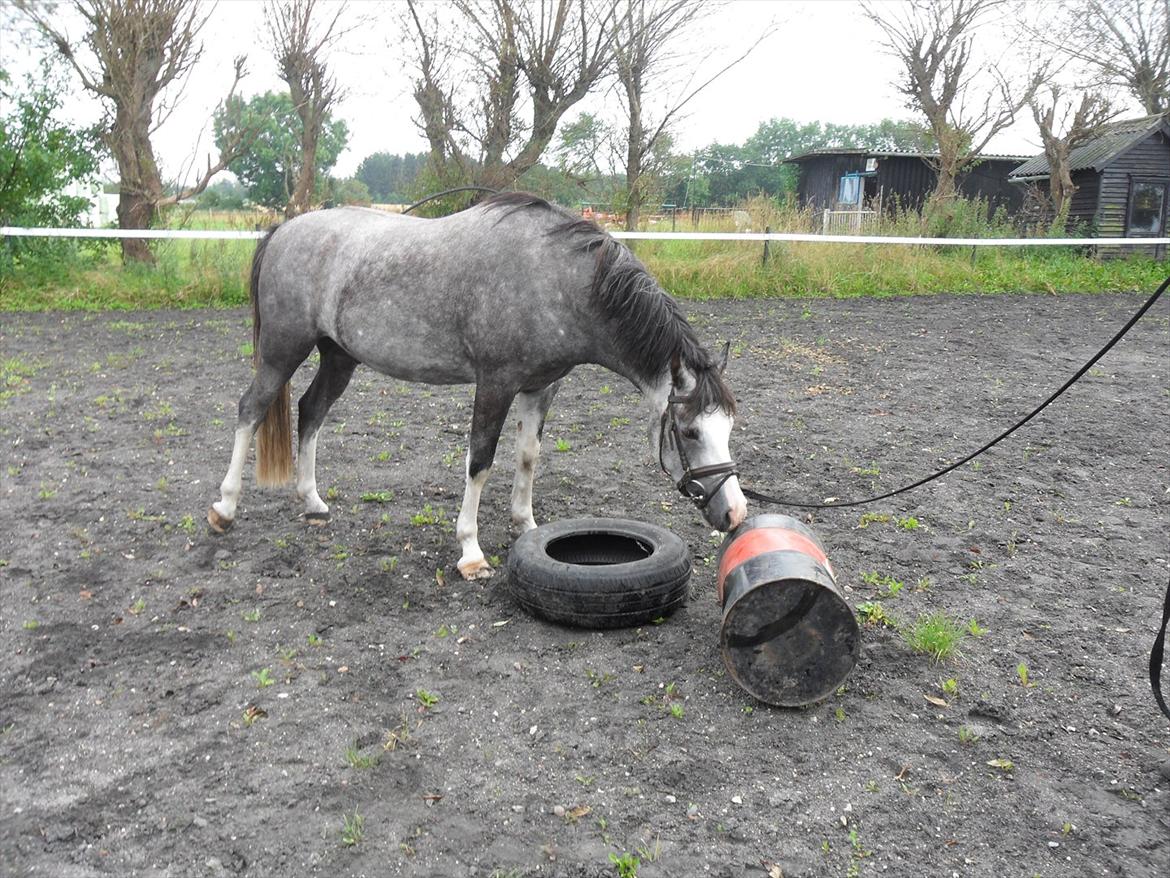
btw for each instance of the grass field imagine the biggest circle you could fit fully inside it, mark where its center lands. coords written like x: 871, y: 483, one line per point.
x: 197, y: 274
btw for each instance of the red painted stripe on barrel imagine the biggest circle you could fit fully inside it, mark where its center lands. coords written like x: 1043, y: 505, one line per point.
x: 761, y: 541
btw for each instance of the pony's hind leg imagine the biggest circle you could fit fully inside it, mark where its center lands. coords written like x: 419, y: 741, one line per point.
x: 490, y: 410
x: 531, y: 411
x: 268, y: 385
x: 330, y: 382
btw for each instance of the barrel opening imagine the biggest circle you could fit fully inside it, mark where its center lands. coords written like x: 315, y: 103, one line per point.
x: 596, y: 549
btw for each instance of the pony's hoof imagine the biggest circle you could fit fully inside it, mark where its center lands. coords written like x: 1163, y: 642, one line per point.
x: 218, y: 523
x: 474, y: 570
x: 317, y: 519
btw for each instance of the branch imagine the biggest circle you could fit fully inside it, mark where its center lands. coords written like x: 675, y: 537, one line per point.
x: 670, y: 114
x: 61, y: 42
x: 235, y: 146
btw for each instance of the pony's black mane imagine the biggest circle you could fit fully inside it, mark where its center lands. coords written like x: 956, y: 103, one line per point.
x: 648, y: 325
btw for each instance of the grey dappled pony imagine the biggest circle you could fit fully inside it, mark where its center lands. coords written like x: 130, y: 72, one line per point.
x: 510, y: 294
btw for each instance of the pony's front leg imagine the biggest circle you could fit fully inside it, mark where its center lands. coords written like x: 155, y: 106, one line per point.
x: 491, y: 407
x: 531, y: 411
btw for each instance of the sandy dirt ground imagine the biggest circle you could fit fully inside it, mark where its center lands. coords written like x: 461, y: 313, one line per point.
x: 289, y: 700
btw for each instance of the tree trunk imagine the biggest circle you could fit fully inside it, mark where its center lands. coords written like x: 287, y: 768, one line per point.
x: 135, y: 212
x: 139, y: 182
x: 302, y: 194
x: 945, y: 188
x: 634, y: 194
x: 1060, y: 185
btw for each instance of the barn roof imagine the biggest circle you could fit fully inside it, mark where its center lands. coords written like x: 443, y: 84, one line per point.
x: 890, y: 153
x: 1095, y: 154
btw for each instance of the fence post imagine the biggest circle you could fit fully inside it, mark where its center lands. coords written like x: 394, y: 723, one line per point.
x: 767, y: 231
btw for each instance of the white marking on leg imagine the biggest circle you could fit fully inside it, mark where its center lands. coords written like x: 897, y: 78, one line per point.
x: 307, y: 477
x: 232, y: 485
x: 527, y: 452
x: 472, y: 564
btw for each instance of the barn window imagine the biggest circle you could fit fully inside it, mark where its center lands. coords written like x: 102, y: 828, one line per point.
x: 1147, y: 208
x: 850, y: 190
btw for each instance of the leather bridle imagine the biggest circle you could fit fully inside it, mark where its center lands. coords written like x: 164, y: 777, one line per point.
x: 691, y: 484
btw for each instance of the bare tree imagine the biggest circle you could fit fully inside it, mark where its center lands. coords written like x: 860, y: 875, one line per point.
x: 650, y: 33
x: 1063, y: 126
x: 435, y: 95
x: 300, y: 40
x: 530, y: 62
x: 966, y: 101
x: 139, y: 48
x: 1125, y: 43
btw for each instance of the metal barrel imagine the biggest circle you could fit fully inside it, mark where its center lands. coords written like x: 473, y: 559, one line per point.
x: 788, y: 636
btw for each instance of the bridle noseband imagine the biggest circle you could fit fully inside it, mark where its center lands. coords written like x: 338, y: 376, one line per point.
x: 691, y: 484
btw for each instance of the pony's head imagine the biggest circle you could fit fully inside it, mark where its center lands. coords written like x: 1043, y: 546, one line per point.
x: 691, y: 438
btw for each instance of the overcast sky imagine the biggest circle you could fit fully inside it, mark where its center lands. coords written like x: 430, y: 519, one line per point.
x: 823, y: 63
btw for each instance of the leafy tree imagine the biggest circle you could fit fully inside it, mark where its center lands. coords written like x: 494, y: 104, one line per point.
x: 40, y: 155
x: 389, y: 177
x: 224, y: 195
x: 350, y: 191
x: 271, y: 167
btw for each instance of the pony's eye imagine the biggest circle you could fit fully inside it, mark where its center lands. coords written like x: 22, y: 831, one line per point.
x: 691, y: 433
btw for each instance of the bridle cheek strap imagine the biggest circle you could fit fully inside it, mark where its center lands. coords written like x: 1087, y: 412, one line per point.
x: 690, y: 484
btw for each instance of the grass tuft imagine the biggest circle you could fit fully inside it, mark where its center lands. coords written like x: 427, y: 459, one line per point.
x: 936, y: 635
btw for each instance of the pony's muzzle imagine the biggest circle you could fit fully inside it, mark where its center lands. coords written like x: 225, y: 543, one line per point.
x: 726, y: 507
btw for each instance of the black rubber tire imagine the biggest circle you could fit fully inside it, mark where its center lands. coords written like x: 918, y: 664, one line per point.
x: 602, y: 573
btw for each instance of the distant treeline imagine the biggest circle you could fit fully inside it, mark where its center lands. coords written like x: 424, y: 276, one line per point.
x: 389, y: 177
x: 718, y: 175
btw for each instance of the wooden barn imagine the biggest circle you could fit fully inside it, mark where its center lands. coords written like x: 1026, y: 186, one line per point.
x: 852, y: 179
x: 1122, y: 177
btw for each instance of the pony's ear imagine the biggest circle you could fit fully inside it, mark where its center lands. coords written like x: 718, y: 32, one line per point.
x: 723, y: 358
x: 675, y: 369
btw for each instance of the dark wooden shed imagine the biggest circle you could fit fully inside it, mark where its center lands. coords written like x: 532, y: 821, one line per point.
x: 848, y: 179
x: 1122, y: 177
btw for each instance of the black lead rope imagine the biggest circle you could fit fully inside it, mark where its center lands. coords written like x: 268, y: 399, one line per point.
x: 834, y: 504
x: 1156, y: 655
x: 1157, y: 652
x: 451, y: 192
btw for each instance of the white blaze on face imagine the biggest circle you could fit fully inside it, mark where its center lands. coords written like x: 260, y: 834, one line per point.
x: 728, y: 506
x: 720, y: 434
x: 714, y: 438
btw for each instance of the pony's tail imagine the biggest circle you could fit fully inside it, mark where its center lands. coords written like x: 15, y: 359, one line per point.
x: 274, y: 454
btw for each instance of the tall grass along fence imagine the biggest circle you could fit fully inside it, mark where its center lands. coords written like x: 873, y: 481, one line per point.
x: 208, y: 267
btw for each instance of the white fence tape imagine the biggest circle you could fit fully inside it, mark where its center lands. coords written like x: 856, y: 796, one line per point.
x: 208, y: 234
x: 205, y: 234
